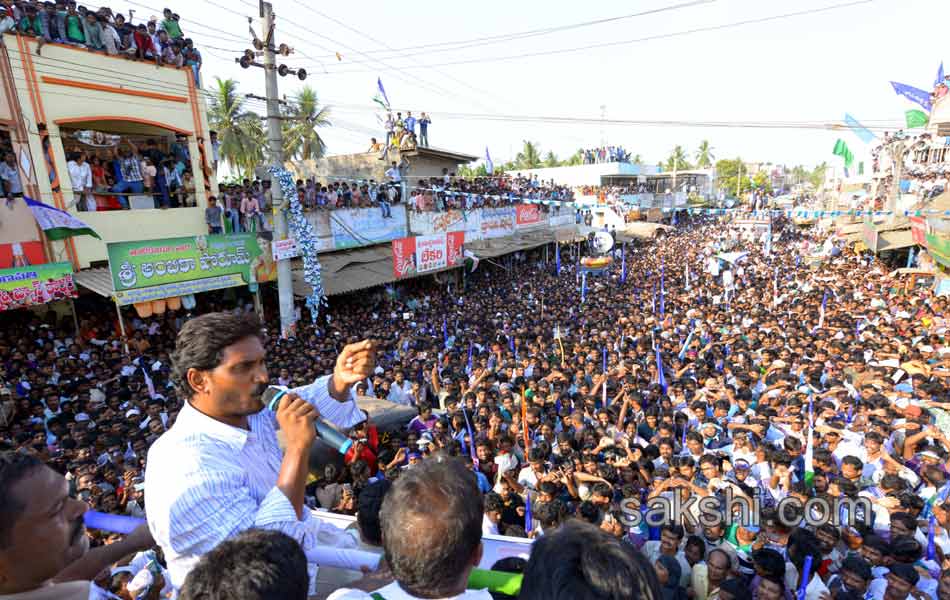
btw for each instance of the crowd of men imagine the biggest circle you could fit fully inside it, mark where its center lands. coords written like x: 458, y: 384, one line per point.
x: 605, y: 154
x: 401, y: 133
x: 450, y: 192
x: 157, y: 40
x: 924, y: 166
x: 690, y: 373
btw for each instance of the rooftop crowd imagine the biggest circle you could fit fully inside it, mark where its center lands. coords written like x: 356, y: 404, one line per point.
x: 605, y: 154
x: 924, y: 163
x: 158, y: 40
x: 692, y: 376
x: 241, y: 206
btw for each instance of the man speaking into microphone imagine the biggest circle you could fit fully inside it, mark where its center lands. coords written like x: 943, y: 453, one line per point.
x: 219, y: 470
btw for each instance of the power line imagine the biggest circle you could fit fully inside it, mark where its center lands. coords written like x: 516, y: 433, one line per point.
x: 372, y: 39
x: 506, y: 37
x: 636, y: 40
x: 121, y: 77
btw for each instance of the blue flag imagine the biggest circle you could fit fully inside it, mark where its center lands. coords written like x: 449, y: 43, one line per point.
x: 527, y: 513
x: 660, y: 376
x: 557, y: 258
x: 913, y: 94
x: 863, y: 133
x: 445, y: 332
x: 689, y: 339
x: 489, y: 165
x: 939, y: 75
x: 583, y: 286
x: 931, y: 546
x: 471, y: 438
x: 623, y: 264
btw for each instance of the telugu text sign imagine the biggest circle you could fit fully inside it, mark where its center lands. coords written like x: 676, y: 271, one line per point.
x: 187, y: 265
x: 356, y: 227
x: 497, y: 222
x: 39, y: 284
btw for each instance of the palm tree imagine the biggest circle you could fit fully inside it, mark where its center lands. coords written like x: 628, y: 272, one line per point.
x: 240, y: 132
x: 576, y: 159
x: 550, y: 160
x: 302, y: 141
x: 704, y: 156
x: 529, y: 157
x: 677, y: 160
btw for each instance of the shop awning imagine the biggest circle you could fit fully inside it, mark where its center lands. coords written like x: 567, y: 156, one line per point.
x: 893, y: 240
x: 514, y: 243
x: 352, y: 270
x: 98, y: 280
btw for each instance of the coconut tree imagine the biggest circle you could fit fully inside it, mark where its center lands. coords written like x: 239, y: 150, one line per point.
x: 240, y: 131
x: 677, y: 160
x: 704, y: 156
x: 304, y: 117
x: 550, y: 160
x: 529, y: 157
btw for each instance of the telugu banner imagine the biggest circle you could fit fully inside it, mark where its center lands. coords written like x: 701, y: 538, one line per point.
x: 39, y: 284
x: 154, y: 269
x: 497, y: 222
x: 427, y: 253
x: 352, y: 228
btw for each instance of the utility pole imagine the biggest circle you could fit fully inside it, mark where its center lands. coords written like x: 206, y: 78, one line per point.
x: 266, y: 48
x: 897, y: 165
x: 275, y: 146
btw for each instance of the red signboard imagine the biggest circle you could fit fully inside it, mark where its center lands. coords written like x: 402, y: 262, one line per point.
x: 527, y: 215
x: 918, y: 229
x: 427, y: 253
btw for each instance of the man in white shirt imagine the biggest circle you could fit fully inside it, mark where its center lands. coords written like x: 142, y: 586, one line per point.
x: 218, y: 470
x: 432, y: 533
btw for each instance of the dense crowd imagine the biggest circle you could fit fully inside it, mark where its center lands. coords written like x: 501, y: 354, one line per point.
x: 923, y: 159
x: 157, y: 40
x: 448, y: 192
x: 241, y: 206
x: 699, y: 374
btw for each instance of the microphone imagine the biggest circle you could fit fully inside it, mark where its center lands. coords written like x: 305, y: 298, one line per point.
x: 272, y: 396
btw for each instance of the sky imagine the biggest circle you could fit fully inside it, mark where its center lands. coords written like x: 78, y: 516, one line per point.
x: 809, y: 68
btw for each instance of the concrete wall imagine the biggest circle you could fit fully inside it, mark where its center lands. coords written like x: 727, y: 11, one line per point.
x: 367, y: 165
x: 73, y: 87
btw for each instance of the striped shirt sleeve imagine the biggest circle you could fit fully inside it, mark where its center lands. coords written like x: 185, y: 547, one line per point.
x: 342, y: 414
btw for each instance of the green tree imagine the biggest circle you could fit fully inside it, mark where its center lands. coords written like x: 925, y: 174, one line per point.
x: 529, y: 157
x: 704, y: 156
x: 550, y: 160
x: 677, y: 160
x: 468, y: 172
x: 636, y: 159
x: 240, y: 132
x: 576, y: 159
x: 303, y: 118
x: 762, y: 181
x: 728, y: 174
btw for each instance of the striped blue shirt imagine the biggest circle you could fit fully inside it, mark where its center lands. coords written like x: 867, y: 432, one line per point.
x: 206, y: 481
